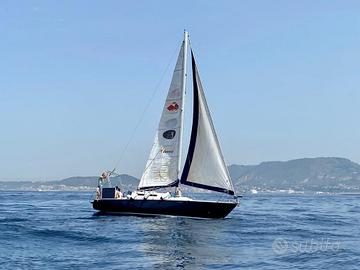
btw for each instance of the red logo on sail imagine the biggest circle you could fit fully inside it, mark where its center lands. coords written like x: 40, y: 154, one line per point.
x: 173, y: 107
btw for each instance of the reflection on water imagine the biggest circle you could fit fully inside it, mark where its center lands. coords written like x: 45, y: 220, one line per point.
x: 183, y: 243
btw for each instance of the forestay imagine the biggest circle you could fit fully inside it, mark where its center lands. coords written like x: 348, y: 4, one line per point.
x: 205, y: 166
x: 162, y: 167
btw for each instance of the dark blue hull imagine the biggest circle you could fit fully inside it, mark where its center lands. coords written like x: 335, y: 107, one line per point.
x: 197, y: 209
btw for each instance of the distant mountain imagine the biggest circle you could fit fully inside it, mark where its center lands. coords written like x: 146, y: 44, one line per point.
x: 314, y: 174
x: 126, y: 181
x: 330, y: 174
x: 92, y: 181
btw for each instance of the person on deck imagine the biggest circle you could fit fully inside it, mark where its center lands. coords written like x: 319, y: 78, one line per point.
x: 178, y: 192
x: 104, y: 177
x: 118, y: 193
x: 98, y: 193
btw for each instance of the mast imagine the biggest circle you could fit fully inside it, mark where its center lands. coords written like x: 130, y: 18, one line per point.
x: 184, y: 75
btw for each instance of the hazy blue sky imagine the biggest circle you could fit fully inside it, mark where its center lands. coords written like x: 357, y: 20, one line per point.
x: 281, y: 78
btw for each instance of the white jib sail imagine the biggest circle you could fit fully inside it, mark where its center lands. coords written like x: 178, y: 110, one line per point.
x: 208, y: 168
x: 162, y: 167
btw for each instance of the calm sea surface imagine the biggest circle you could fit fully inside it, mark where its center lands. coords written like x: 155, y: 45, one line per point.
x: 58, y: 230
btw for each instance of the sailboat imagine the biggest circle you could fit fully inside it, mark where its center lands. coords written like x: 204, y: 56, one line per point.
x: 204, y: 166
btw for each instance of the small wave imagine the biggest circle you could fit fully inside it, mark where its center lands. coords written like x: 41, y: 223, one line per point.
x: 298, y: 210
x: 10, y: 220
x: 71, y: 235
x: 354, y: 209
x: 329, y: 220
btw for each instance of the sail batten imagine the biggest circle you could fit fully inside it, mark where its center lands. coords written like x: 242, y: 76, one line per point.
x: 204, y: 166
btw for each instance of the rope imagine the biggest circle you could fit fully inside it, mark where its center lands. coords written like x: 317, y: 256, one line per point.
x: 143, y: 112
x: 147, y: 167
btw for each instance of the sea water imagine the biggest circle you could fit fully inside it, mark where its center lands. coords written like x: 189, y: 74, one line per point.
x: 59, y: 230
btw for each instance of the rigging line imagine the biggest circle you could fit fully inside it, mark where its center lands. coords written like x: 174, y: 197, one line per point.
x: 147, y: 167
x: 144, y: 111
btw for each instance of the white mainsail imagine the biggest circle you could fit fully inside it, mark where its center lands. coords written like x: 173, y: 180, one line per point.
x: 205, y: 166
x: 163, y: 165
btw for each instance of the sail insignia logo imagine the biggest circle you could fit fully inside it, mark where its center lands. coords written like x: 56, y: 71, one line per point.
x: 169, y: 134
x: 167, y: 150
x: 173, y: 107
